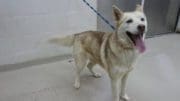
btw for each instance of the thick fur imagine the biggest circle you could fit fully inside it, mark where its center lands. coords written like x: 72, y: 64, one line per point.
x: 65, y: 41
x: 114, y: 52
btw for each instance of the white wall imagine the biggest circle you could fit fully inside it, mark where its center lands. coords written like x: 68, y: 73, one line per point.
x: 25, y: 25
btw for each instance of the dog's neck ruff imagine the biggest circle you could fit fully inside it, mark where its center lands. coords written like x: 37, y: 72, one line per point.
x: 121, y: 43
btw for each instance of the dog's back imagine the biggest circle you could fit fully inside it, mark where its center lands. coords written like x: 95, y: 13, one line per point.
x: 88, y: 42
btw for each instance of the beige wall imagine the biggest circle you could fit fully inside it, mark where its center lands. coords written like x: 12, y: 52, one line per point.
x: 25, y: 25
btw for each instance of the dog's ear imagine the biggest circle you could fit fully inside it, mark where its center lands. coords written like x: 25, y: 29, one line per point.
x: 139, y: 8
x: 117, y: 13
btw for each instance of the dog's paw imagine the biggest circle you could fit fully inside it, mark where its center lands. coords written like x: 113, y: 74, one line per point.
x: 124, y: 98
x: 77, y: 85
x: 97, y: 75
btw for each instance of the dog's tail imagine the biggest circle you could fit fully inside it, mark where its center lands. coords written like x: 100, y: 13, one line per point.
x: 64, y: 41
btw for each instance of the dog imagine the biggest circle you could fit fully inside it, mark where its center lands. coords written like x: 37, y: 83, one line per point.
x: 116, y: 52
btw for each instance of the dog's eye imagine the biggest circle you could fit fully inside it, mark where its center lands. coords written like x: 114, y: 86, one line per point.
x: 129, y: 21
x: 142, y: 19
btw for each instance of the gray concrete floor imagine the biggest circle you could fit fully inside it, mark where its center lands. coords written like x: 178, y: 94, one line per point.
x: 155, y: 78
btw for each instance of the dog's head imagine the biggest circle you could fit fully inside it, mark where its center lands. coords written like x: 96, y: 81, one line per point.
x: 132, y: 26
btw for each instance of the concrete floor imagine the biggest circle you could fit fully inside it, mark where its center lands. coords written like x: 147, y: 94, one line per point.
x: 155, y: 78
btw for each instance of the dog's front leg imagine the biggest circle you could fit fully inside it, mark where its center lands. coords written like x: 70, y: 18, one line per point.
x: 115, y: 89
x: 123, y: 95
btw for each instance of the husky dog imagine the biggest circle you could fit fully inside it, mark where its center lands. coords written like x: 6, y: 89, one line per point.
x: 115, y: 52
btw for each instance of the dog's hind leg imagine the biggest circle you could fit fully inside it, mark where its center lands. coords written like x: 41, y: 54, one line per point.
x: 90, y: 66
x: 80, y: 60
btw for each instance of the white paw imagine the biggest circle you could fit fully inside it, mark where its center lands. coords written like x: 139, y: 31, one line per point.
x: 77, y: 85
x: 125, y: 98
x: 97, y: 75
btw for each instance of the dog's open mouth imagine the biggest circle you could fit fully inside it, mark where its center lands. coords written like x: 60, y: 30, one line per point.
x: 137, y: 40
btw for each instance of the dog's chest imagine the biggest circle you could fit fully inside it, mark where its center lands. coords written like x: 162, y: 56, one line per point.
x: 119, y: 70
x: 125, y: 58
x: 123, y: 63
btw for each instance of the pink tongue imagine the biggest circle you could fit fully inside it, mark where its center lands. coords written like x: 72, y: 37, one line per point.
x: 140, y: 45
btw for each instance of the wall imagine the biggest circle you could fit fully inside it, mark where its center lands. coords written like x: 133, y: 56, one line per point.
x: 178, y: 25
x: 172, y: 15
x: 26, y: 25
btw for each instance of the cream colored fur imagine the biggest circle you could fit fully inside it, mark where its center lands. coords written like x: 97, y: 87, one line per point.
x: 64, y: 41
x: 115, y: 52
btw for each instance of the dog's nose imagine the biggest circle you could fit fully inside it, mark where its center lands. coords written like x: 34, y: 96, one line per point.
x: 141, y: 28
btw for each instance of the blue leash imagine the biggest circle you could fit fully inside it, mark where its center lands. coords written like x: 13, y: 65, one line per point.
x: 95, y: 11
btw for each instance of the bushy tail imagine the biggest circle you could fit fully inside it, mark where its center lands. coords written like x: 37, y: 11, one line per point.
x: 64, y: 41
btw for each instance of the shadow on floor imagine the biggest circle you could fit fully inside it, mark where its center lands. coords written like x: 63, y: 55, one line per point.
x: 11, y: 67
